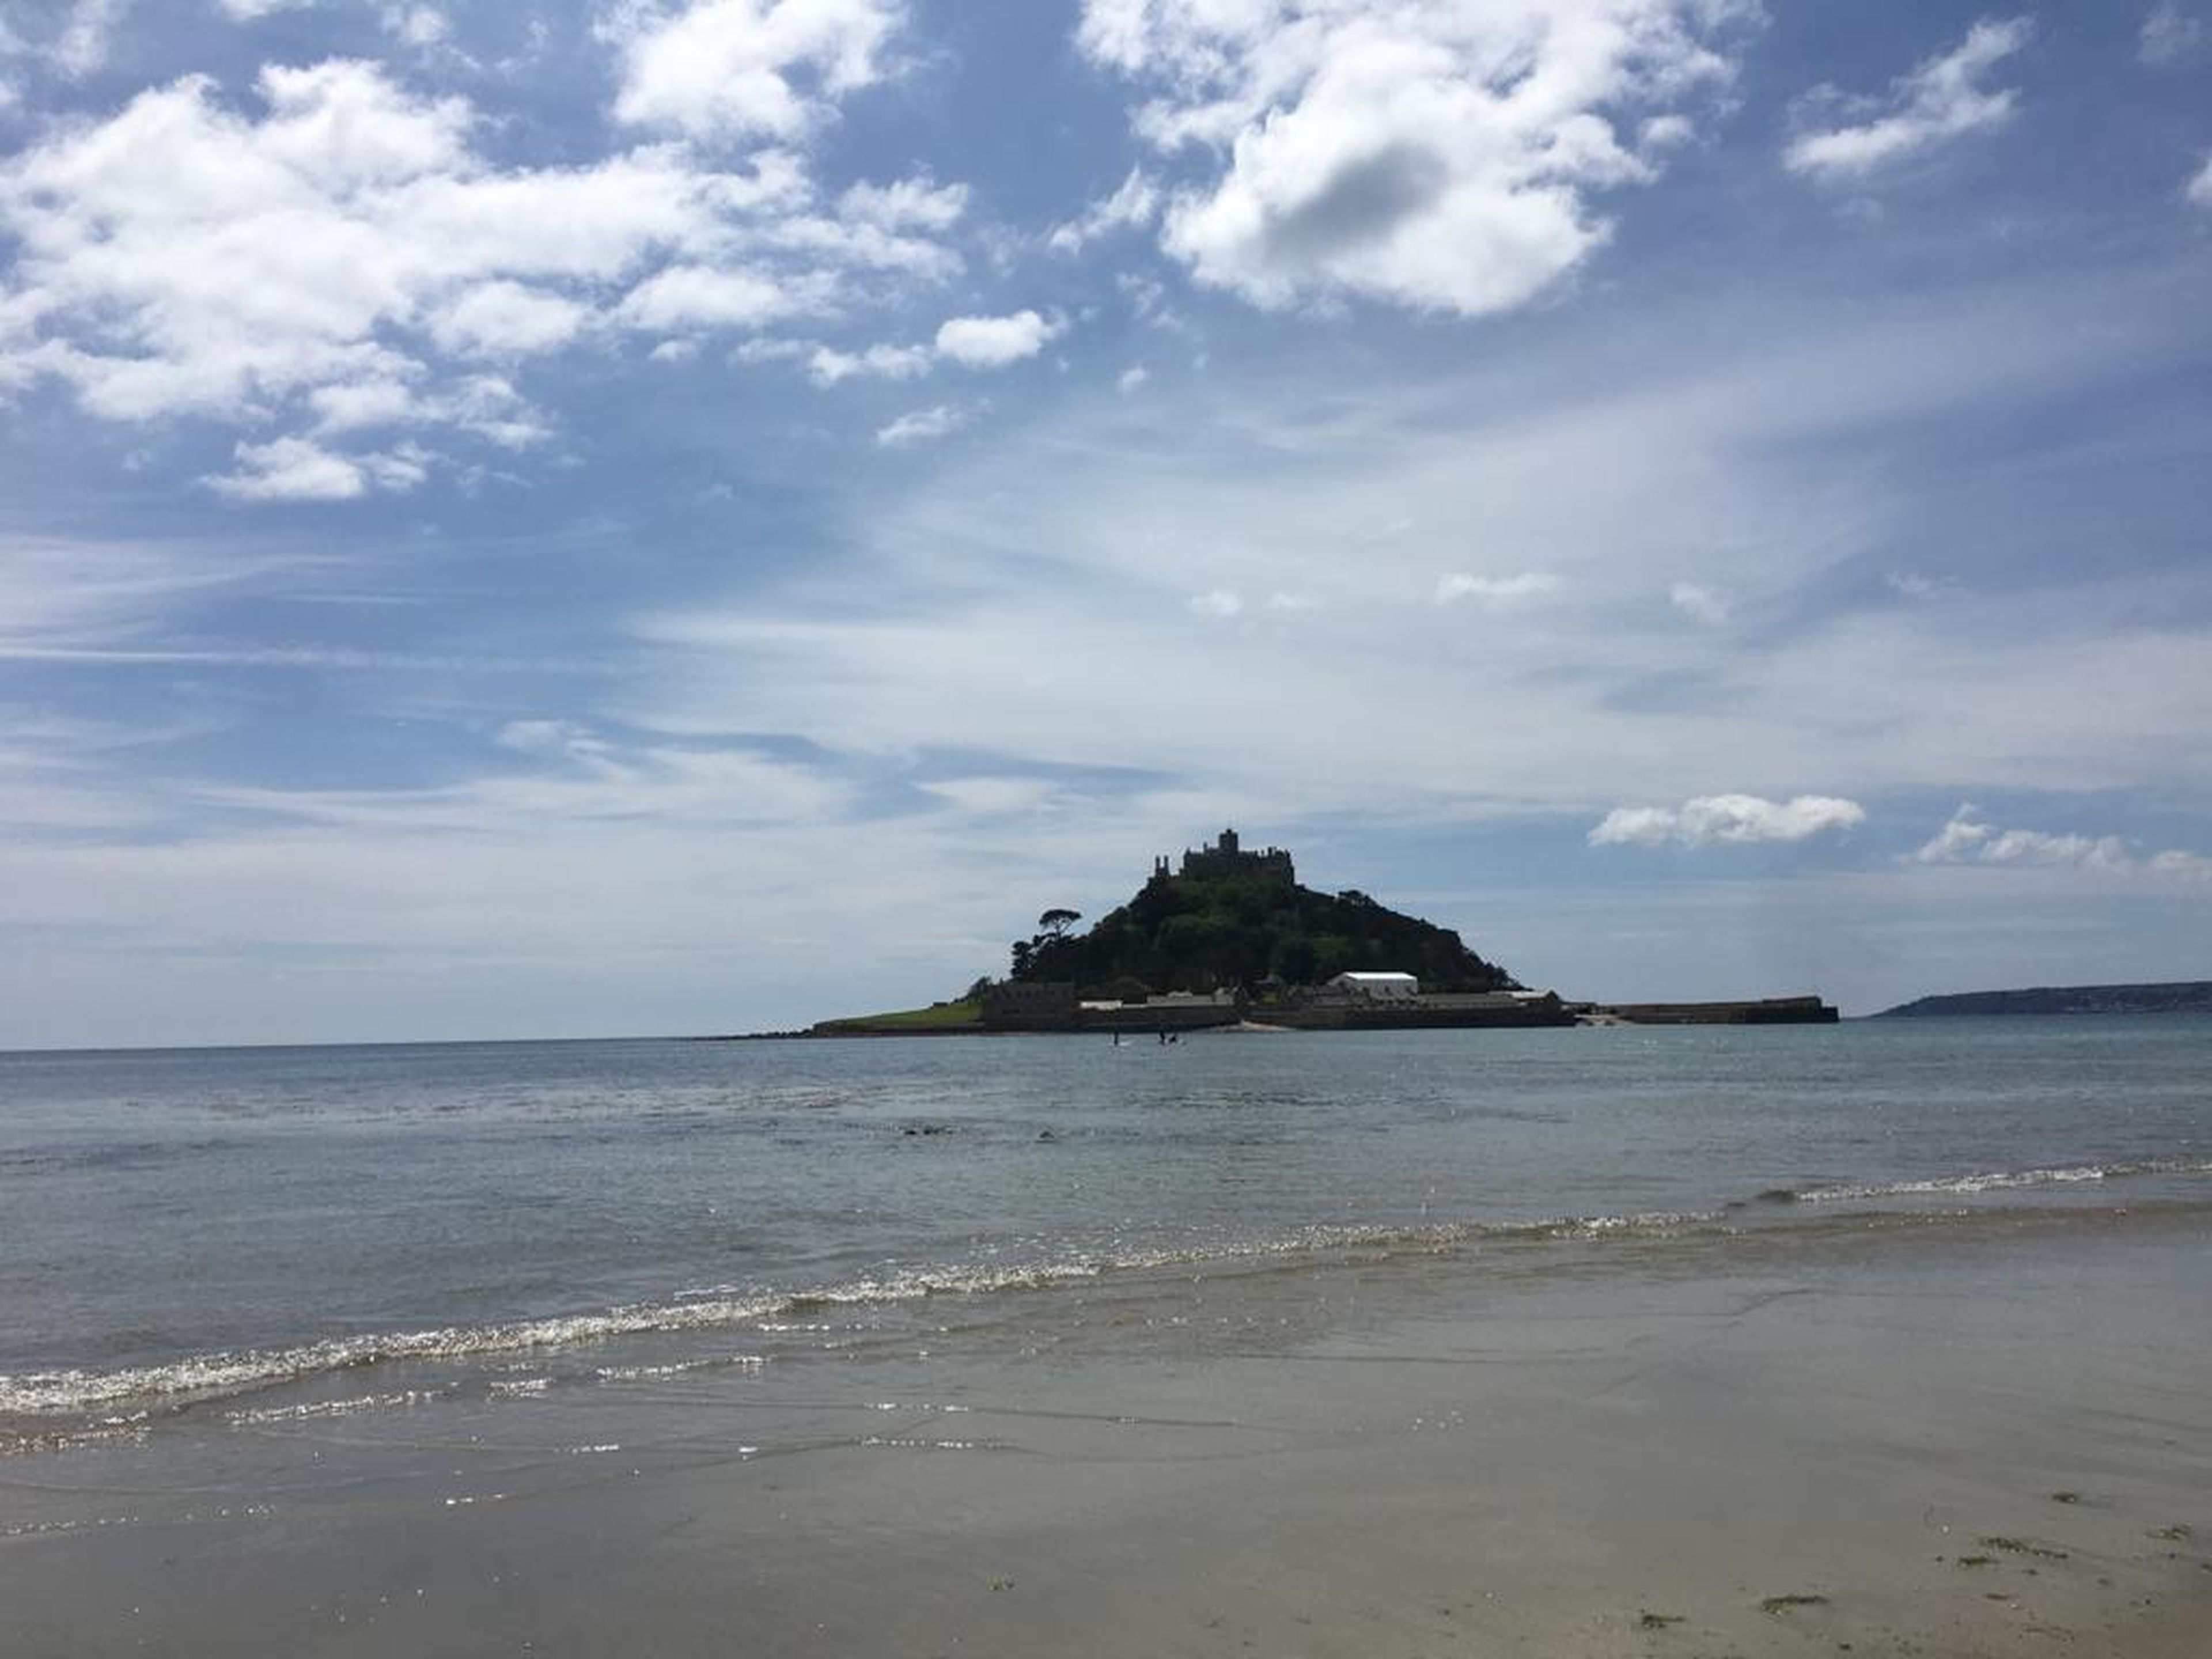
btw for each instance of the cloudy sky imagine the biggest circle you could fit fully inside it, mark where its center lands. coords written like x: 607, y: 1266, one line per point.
x: 632, y: 516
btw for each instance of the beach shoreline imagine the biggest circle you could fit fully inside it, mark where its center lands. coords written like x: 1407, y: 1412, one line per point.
x: 1905, y: 1438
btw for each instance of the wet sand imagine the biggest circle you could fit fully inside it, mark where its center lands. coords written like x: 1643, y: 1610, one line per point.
x: 1985, y: 1439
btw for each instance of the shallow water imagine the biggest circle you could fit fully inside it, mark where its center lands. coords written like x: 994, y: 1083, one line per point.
x: 189, y: 1235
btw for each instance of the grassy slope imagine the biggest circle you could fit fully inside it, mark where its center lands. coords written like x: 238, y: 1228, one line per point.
x: 937, y: 1017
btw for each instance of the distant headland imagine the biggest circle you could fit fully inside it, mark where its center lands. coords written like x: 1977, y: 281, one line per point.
x: 2192, y: 996
x: 1227, y: 936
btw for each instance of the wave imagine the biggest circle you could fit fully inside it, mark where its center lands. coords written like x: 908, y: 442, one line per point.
x: 1992, y: 1181
x: 228, y: 1373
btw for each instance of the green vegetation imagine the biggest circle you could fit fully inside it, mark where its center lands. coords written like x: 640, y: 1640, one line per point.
x: 1246, y: 926
x: 960, y: 1015
x: 2176, y: 997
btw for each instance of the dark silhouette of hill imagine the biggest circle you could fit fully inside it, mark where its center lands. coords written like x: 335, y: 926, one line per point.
x: 2176, y: 997
x: 1230, y: 918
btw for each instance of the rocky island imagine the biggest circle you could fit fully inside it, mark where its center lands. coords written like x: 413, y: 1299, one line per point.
x: 1228, y: 936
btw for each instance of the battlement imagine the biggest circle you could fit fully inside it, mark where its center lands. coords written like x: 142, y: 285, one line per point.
x: 1226, y: 857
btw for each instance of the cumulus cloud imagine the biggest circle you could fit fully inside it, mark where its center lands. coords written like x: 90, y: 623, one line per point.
x: 994, y: 342
x: 318, y: 260
x: 737, y: 68
x: 922, y: 426
x: 1220, y: 602
x: 1727, y: 820
x: 1940, y: 100
x: 1494, y: 594
x: 246, y: 11
x: 292, y: 469
x: 905, y: 205
x: 827, y: 366
x: 1966, y: 839
x: 1440, y: 156
x: 505, y: 316
x: 704, y: 296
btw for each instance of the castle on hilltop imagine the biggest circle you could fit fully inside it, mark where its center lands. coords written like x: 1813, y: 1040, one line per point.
x: 1225, y: 858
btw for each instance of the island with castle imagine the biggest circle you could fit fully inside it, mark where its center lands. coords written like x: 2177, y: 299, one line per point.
x: 1227, y: 937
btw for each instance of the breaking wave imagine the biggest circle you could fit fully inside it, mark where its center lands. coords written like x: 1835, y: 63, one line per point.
x: 205, y: 1376
x: 229, y: 1373
x: 1994, y: 1181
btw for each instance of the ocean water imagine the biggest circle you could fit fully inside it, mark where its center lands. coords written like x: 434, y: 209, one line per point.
x: 213, y: 1235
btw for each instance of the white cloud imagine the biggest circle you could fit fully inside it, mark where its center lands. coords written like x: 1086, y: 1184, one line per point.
x: 246, y: 11
x: 1698, y: 604
x: 2200, y: 187
x: 1941, y: 99
x: 734, y: 69
x: 508, y: 317
x: 994, y: 342
x: 1966, y: 839
x: 291, y: 470
x: 1132, y: 378
x: 86, y: 33
x: 922, y: 426
x: 1439, y: 157
x: 827, y: 366
x: 2171, y: 34
x: 905, y: 205
x: 399, y: 470
x: 1727, y: 820
x: 1134, y: 203
x: 1219, y: 602
x: 1494, y: 594
x: 419, y: 26
x: 184, y: 258
x: 700, y: 296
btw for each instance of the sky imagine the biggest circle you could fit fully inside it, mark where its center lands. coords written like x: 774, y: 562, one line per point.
x: 682, y: 516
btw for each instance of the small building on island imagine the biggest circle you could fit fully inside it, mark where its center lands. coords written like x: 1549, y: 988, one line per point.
x: 1377, y: 988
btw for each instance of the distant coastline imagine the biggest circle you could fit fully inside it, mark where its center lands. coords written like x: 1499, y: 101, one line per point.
x: 2173, y: 997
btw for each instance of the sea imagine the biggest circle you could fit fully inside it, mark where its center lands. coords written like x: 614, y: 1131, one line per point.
x: 196, y: 1241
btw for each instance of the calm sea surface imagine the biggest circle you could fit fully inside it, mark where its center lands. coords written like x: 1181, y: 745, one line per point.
x: 178, y: 1229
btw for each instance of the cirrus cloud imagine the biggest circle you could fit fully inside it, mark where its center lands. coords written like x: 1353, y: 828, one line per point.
x: 1939, y: 100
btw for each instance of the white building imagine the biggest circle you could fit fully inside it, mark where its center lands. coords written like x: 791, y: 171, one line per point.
x: 1377, y: 988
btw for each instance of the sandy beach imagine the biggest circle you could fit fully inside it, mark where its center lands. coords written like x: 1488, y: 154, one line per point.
x: 1897, y: 1435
